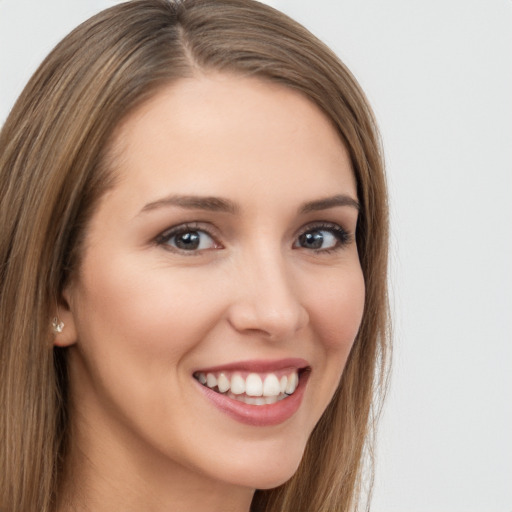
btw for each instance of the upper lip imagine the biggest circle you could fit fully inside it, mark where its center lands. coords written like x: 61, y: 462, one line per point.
x: 258, y: 365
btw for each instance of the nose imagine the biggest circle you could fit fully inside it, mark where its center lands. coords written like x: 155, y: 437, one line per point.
x: 267, y: 300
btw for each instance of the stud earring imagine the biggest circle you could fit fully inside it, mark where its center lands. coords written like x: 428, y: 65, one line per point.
x: 57, y: 325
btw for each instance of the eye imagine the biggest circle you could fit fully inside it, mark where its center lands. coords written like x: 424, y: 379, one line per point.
x: 323, y: 238
x: 187, y: 238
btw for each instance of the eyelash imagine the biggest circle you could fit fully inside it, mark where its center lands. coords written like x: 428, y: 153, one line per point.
x: 164, y: 238
x: 342, y: 236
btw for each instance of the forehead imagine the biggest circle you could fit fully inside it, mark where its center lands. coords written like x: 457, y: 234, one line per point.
x: 225, y: 132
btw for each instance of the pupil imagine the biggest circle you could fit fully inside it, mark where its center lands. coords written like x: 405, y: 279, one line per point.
x: 188, y: 240
x: 313, y: 240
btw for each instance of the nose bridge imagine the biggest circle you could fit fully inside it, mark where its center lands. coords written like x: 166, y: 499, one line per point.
x: 268, y: 300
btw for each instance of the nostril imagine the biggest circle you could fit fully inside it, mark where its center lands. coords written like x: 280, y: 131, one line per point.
x: 266, y: 301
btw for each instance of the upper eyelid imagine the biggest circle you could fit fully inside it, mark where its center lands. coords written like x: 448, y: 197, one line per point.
x: 323, y: 225
x: 166, y: 234
x: 192, y: 226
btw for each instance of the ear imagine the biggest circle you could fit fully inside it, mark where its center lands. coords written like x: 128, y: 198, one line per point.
x: 67, y: 334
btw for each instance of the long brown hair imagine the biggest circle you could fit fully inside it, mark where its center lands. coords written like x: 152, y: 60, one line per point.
x: 54, y: 166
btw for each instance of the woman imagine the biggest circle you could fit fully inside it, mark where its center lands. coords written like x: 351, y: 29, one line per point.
x: 190, y: 319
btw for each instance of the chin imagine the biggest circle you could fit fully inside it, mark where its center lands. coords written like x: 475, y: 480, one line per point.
x: 269, y: 479
x: 275, y: 480
x: 266, y: 467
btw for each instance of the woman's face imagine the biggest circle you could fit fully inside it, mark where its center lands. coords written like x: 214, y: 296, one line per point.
x: 224, y: 259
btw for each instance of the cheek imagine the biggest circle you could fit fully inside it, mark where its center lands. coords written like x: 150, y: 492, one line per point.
x: 138, y: 325
x: 335, y: 315
x: 151, y: 313
x: 337, y: 309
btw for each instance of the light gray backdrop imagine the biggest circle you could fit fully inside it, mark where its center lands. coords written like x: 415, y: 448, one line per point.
x: 439, y: 75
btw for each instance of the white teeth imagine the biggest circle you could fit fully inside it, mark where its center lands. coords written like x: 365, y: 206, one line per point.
x: 223, y: 383
x: 283, y: 382
x: 257, y: 400
x: 253, y: 385
x: 271, y: 386
x: 293, y: 380
x: 237, y: 384
x: 268, y: 386
x: 211, y: 381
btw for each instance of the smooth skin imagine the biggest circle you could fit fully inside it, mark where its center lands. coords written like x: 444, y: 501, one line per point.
x: 170, y: 283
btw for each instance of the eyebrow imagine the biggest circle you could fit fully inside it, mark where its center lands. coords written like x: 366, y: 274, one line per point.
x: 213, y: 204
x: 330, y: 202
x: 218, y: 204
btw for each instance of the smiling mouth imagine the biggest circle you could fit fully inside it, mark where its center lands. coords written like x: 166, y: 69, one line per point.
x: 250, y: 387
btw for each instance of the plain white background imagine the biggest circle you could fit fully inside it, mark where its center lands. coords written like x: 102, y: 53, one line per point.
x: 439, y: 75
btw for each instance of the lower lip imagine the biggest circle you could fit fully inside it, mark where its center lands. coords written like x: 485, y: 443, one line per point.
x: 258, y: 415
